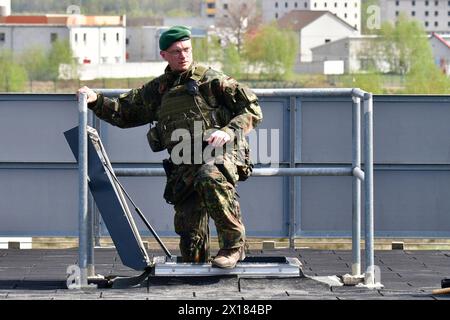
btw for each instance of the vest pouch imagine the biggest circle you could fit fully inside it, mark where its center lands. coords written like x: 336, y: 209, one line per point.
x: 154, y: 140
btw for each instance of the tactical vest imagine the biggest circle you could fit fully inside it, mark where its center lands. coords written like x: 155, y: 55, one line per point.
x: 182, y: 106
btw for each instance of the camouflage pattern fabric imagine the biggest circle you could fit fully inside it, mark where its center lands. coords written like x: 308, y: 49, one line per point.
x: 197, y: 191
x: 213, y: 196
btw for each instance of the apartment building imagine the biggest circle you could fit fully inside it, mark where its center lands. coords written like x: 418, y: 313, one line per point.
x: 433, y: 14
x: 347, y: 10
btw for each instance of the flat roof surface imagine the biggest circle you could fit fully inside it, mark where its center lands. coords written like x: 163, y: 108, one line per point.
x: 406, y: 275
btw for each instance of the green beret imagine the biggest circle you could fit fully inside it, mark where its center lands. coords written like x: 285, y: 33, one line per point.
x: 174, y: 34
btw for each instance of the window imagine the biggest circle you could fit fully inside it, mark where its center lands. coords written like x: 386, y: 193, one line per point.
x: 396, y: 13
x: 325, y: 5
x: 276, y: 4
x: 276, y: 15
x: 356, y: 16
x: 104, y: 37
x: 127, y: 41
x: 84, y: 37
x: 345, y: 4
x: 345, y: 15
x: 295, y: 4
x: 306, y: 4
x: 2, y: 37
x: 335, y: 4
x: 413, y: 13
x: 211, y: 5
x: 315, y: 4
x: 426, y: 23
x: 53, y: 37
x: 448, y: 23
x: 397, y: 3
x: 225, y: 6
x: 285, y: 4
x: 427, y: 3
x: 117, y: 37
x: 436, y: 3
x: 436, y: 24
x: 117, y: 59
x: 436, y: 13
x: 426, y: 13
x: 448, y: 13
x: 413, y: 3
x: 76, y: 37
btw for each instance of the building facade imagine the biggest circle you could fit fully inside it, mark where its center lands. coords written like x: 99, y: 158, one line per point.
x: 310, y: 26
x: 441, y: 52
x: 5, y: 7
x: 347, y: 10
x: 93, y: 39
x: 434, y: 15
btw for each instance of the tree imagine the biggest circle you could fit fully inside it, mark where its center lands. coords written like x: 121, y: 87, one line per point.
x: 232, y: 64
x: 13, y: 77
x: 35, y: 61
x: 60, y: 53
x: 241, y: 15
x: 404, y: 49
x: 273, y: 50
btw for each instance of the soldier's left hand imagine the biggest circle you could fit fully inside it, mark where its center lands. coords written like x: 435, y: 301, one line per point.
x: 218, y: 138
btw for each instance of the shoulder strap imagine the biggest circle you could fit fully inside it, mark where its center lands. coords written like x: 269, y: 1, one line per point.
x: 199, y: 72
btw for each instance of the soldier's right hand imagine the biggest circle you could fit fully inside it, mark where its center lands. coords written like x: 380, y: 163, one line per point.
x: 91, y: 96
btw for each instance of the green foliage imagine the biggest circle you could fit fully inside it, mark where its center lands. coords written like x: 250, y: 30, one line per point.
x: 13, y: 77
x: 426, y: 79
x: 60, y: 53
x: 200, y: 49
x: 131, y: 8
x: 372, y: 81
x: 406, y: 50
x: 273, y: 50
x: 232, y: 64
x: 34, y: 60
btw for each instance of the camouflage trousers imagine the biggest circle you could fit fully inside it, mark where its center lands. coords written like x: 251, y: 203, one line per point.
x: 209, y: 194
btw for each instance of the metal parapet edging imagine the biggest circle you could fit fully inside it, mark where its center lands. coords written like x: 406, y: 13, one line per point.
x: 256, y: 243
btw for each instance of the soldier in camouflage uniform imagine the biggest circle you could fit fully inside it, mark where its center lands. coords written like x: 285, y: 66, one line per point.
x: 189, y: 96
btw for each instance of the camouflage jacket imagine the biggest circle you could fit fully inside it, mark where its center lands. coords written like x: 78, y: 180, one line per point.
x: 141, y: 106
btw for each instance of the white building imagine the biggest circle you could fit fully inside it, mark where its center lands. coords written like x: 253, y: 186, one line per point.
x: 441, y: 52
x: 347, y: 10
x: 5, y: 7
x: 433, y: 14
x: 349, y: 50
x: 352, y: 52
x: 93, y: 39
x: 315, y: 28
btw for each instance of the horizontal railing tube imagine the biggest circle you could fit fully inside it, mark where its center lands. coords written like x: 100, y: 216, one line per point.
x: 258, y: 172
x: 327, y: 92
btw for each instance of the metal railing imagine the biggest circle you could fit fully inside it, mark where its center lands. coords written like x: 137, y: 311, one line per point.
x: 361, y: 100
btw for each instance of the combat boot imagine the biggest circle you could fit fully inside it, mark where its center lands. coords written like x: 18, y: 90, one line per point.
x: 227, y: 258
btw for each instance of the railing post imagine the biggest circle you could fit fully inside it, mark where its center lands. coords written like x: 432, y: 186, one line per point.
x: 368, y: 189
x: 83, y: 190
x: 356, y: 187
x: 292, y: 183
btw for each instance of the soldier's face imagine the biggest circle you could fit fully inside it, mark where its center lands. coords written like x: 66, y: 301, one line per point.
x: 178, y: 55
